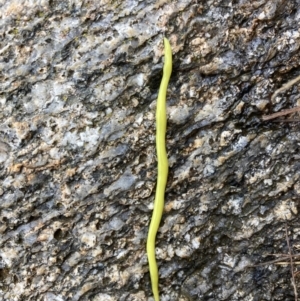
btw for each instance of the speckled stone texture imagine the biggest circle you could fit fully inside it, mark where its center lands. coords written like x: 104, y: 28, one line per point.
x: 78, y: 88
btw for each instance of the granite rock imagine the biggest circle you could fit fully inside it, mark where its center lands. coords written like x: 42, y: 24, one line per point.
x: 78, y: 88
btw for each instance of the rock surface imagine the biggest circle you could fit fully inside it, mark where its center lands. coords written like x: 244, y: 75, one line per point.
x: 78, y: 88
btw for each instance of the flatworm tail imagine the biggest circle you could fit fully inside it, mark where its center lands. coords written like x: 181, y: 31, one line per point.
x: 162, y: 166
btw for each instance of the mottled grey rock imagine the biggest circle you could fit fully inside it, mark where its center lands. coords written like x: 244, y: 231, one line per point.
x: 78, y: 87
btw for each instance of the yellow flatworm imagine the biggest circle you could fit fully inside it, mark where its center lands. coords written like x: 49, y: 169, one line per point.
x: 162, y: 166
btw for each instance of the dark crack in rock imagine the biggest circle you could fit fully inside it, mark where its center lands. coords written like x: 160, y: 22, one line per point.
x: 78, y: 87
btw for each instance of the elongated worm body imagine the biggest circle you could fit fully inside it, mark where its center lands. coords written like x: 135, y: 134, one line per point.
x: 162, y: 166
